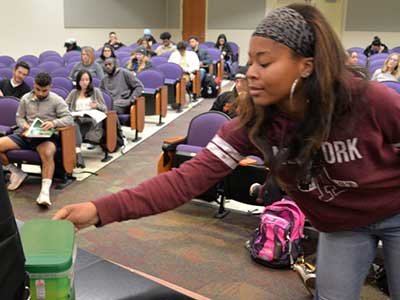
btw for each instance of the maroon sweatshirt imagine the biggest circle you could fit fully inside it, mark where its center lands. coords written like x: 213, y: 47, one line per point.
x: 359, y: 183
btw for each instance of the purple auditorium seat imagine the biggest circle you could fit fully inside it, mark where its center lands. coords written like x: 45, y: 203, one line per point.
x: 395, y: 50
x: 154, y: 46
x: 171, y: 71
x: 30, y: 59
x: 356, y: 49
x: 8, y: 110
x: 63, y: 93
x: 43, y: 55
x: 62, y: 82
x: 96, y: 82
x: 60, y: 72
x: 123, y: 50
x: 34, y: 71
x: 29, y: 80
x: 123, y: 62
x: 6, y: 73
x: 215, y: 55
x: 378, y: 56
x: 393, y: 85
x: 173, y: 74
x: 166, y: 55
x: 52, y: 58
x: 70, y: 54
x: 97, y: 53
x: 208, y: 44
x: 49, y: 66
x: 70, y: 66
x: 133, y: 46
x: 154, y: 92
x: 235, y: 50
x: 7, y: 60
x: 3, y: 65
x: 158, y: 60
x: 73, y: 59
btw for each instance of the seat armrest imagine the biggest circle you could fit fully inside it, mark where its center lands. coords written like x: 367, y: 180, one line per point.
x: 174, y: 140
x: 68, y: 144
x: 111, y: 131
x: 248, y: 161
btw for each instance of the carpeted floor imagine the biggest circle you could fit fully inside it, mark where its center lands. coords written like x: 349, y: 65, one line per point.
x: 187, y: 246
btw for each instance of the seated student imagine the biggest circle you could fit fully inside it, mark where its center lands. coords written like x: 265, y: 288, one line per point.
x: 146, y: 43
x: 376, y: 47
x: 352, y: 57
x: 226, y: 51
x: 167, y: 45
x: 71, y: 45
x: 53, y: 111
x: 16, y: 86
x: 203, y: 56
x: 229, y: 102
x: 85, y: 97
x: 87, y: 63
x: 106, y: 52
x: 390, y: 70
x: 149, y: 37
x: 123, y: 86
x: 113, y: 41
x: 139, y: 60
x: 188, y: 61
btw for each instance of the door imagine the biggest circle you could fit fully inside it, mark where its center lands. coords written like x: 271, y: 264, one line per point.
x: 194, y: 19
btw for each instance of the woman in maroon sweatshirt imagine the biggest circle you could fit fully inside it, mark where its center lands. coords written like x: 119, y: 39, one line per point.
x: 329, y: 139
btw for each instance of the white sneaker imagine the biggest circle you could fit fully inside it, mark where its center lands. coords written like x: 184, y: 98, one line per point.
x: 43, y: 199
x: 16, y: 179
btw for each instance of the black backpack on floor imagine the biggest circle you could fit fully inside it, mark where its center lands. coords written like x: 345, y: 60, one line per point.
x: 210, y: 87
x: 12, y: 260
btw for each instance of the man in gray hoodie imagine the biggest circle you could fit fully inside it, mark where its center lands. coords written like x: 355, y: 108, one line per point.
x: 53, y: 111
x: 123, y: 86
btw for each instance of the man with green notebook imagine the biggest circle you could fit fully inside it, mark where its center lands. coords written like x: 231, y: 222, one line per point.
x: 39, y: 105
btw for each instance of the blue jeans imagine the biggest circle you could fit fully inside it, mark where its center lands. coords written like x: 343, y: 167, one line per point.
x: 344, y: 259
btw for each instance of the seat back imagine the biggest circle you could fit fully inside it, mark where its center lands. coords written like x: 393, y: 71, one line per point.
x: 5, y: 73
x: 48, y: 53
x: 395, y: 50
x: 62, y: 82
x: 393, y: 85
x: 203, y: 127
x: 63, y: 93
x: 96, y: 82
x: 34, y: 71
x: 8, y: 110
x: 151, y: 79
x: 60, y: 72
x: 29, y: 80
x: 54, y: 58
x: 378, y: 56
x: 30, y: 59
x: 215, y: 54
x: 6, y: 60
x: 235, y: 50
x: 207, y: 44
x: 49, y: 66
x: 107, y: 99
x: 170, y: 70
x: 67, y: 56
x: 158, y: 60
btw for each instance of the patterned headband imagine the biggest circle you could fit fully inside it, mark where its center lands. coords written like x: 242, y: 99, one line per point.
x: 286, y: 26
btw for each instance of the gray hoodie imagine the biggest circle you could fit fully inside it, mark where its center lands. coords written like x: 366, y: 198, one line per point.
x: 52, y: 108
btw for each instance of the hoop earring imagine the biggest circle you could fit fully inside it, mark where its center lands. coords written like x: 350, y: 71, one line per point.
x: 292, y: 89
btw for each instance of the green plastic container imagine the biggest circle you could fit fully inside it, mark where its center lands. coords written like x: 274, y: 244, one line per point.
x: 50, y: 252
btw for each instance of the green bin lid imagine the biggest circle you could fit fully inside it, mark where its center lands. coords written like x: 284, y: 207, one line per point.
x: 48, y: 245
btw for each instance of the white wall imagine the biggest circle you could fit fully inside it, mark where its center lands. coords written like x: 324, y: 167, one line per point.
x: 33, y: 26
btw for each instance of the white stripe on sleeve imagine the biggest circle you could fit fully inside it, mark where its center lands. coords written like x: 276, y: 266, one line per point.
x: 229, y: 161
x: 227, y: 148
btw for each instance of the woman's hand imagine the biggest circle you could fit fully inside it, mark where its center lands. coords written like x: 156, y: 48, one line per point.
x: 82, y: 215
x: 93, y: 104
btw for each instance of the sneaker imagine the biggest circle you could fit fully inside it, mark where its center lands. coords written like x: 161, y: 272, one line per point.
x: 16, y: 179
x: 43, y: 199
x: 307, y: 275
